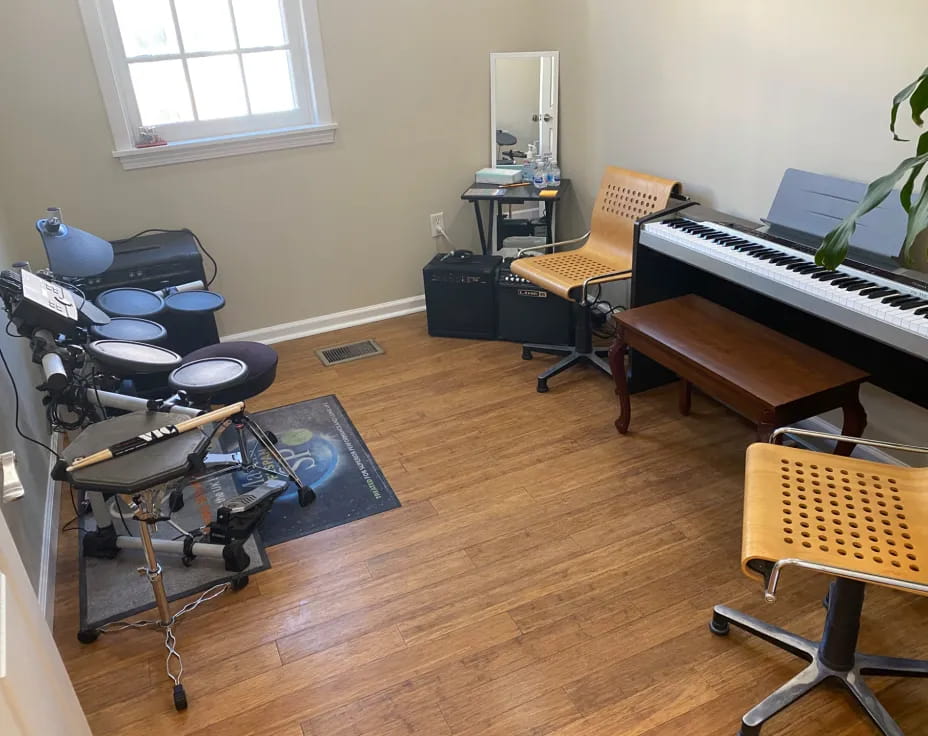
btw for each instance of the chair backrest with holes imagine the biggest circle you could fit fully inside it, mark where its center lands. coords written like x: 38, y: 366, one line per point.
x: 625, y: 196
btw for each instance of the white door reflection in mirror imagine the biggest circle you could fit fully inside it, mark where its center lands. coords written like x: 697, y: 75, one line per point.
x: 523, y: 105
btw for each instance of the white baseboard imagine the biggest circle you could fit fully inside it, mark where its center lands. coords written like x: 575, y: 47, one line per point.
x: 47, y: 563
x: 864, y: 452
x: 331, y: 322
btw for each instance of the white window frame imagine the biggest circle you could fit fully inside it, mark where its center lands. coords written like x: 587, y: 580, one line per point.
x: 310, y: 124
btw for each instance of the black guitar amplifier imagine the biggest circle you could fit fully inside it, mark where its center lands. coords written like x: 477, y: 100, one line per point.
x: 528, y: 313
x: 460, y: 298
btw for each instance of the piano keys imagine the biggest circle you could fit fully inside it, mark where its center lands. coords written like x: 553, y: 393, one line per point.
x: 887, y: 307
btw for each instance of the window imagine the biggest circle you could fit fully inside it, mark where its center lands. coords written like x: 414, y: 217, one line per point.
x: 212, y: 77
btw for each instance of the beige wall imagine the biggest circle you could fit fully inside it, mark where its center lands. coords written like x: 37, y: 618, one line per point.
x: 298, y: 233
x: 724, y: 95
x: 25, y: 516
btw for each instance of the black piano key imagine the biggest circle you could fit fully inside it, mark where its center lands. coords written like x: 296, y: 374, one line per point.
x: 878, y: 292
x: 807, y: 268
x: 922, y: 310
x: 828, y: 276
x: 789, y: 261
x: 782, y: 259
x: 895, y: 301
x: 843, y: 280
x: 913, y: 305
x: 860, y: 283
x: 802, y: 264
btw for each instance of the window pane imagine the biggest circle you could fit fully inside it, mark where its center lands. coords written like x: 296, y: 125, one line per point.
x: 205, y: 25
x: 147, y: 28
x: 259, y: 23
x: 217, y: 87
x: 161, y: 92
x: 270, y: 86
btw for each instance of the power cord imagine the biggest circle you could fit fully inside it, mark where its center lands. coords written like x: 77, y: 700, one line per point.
x: 441, y: 231
x: 186, y: 230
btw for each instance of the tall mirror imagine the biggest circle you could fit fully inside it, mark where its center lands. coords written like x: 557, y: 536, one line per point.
x: 523, y: 105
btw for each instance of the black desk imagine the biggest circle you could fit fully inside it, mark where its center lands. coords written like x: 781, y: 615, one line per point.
x: 498, y: 196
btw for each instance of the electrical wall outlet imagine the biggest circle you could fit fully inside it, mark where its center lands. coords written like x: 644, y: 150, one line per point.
x: 437, y: 221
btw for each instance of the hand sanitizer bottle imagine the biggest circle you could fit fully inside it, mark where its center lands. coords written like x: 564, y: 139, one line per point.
x: 540, y: 177
x: 528, y: 168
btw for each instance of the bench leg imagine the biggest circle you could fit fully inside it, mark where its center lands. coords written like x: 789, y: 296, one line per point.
x: 855, y: 422
x: 617, y: 363
x: 764, y: 430
x: 686, y: 397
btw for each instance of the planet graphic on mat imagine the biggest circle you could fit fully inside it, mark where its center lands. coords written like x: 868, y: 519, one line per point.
x: 313, y: 456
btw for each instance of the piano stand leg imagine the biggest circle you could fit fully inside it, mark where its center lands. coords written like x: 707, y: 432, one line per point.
x: 855, y: 421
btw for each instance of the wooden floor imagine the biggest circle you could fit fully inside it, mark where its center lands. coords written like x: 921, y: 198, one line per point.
x: 543, y: 575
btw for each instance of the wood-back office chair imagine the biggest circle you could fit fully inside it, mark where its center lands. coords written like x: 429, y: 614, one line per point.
x: 624, y: 196
x: 861, y: 521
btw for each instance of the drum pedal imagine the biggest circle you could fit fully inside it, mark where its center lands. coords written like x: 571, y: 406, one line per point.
x: 252, y: 498
x: 238, y: 516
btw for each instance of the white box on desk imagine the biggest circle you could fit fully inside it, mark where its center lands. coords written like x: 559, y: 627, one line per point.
x: 498, y: 176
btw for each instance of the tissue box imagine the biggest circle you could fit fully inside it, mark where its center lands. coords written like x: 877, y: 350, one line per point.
x: 498, y: 176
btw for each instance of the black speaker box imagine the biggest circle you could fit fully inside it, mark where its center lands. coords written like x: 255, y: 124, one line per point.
x: 528, y: 313
x: 460, y: 299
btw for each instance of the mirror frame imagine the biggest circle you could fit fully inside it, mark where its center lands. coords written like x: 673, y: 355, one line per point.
x: 555, y: 74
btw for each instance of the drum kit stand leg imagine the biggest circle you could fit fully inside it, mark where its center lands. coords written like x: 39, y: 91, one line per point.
x: 147, y: 513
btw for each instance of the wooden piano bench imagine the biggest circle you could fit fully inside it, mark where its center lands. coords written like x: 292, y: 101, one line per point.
x: 763, y: 375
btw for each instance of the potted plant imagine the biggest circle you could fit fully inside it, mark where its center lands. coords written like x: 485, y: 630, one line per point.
x: 834, y: 247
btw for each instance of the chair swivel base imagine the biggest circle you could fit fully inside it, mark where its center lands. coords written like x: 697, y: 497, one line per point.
x: 572, y: 356
x: 818, y: 670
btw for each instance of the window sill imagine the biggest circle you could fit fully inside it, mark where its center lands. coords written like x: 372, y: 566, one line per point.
x: 232, y: 145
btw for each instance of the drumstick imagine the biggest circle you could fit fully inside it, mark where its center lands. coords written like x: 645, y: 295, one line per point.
x: 159, y: 434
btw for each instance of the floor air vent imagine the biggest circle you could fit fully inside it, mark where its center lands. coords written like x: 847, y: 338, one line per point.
x: 351, y: 351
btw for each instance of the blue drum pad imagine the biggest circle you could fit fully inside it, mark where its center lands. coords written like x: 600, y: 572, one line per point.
x: 329, y: 455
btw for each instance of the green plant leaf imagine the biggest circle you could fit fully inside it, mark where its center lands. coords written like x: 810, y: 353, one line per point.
x: 833, y: 249
x: 901, y: 97
x: 918, y: 221
x: 919, y: 102
x: 905, y: 196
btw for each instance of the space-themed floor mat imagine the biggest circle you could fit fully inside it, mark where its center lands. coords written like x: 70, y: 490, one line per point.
x: 325, y: 449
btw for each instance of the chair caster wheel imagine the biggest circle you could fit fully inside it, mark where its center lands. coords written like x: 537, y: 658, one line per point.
x: 180, y: 698
x: 542, y: 386
x: 306, y: 495
x: 720, y: 628
x: 239, y: 583
x: 526, y: 354
x: 88, y: 636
